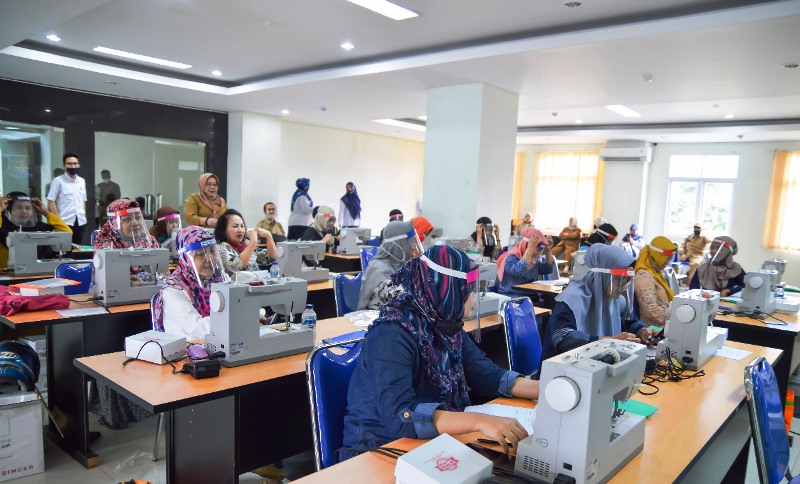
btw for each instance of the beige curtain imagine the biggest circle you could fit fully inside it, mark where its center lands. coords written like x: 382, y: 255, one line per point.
x: 780, y: 231
x: 567, y: 184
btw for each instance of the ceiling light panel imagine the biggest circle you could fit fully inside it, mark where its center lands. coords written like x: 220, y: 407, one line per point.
x: 623, y: 111
x: 54, y: 38
x: 142, y: 58
x: 387, y: 9
x: 401, y: 124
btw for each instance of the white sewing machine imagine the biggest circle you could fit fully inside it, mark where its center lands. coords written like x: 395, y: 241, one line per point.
x: 351, y: 238
x: 580, y: 432
x: 758, y: 298
x: 235, y: 327
x: 23, y: 251
x: 687, y: 334
x: 127, y: 276
x: 778, y: 265
x: 290, y: 260
x: 513, y: 240
x: 460, y: 244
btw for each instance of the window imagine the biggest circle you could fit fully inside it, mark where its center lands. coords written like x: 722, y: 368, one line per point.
x: 784, y: 198
x: 701, y: 189
x: 566, y: 184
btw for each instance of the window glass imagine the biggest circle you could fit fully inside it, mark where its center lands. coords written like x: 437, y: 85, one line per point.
x: 682, y: 201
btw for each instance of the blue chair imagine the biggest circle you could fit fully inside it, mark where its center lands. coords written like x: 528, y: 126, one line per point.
x: 366, y: 256
x: 374, y: 242
x: 328, y: 377
x: 94, y: 234
x: 767, y: 426
x: 522, y: 336
x: 76, y: 271
x: 346, y: 291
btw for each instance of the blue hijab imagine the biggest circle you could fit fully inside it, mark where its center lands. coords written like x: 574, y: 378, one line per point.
x: 302, y: 185
x: 352, y: 202
x: 431, y: 307
x: 594, y: 312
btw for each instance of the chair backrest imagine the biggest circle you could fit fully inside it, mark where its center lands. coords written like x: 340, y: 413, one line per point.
x: 770, y: 442
x: 554, y: 275
x: 346, y: 291
x: 522, y: 336
x: 76, y: 271
x: 94, y: 234
x: 157, y: 325
x: 328, y: 378
x: 366, y: 256
x: 374, y: 242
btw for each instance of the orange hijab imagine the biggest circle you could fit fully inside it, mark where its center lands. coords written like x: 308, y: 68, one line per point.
x: 421, y: 225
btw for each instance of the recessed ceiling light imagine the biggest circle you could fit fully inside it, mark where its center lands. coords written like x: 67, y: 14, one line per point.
x: 284, y: 111
x: 47, y: 110
x: 791, y: 65
x: 142, y: 58
x: 54, y: 38
x: 647, y: 77
x: 717, y: 106
x: 728, y: 116
x: 13, y: 128
x: 387, y: 9
x: 401, y: 124
x: 216, y: 73
x: 572, y: 4
x: 623, y: 111
x: 578, y: 121
x: 422, y: 118
x: 347, y: 46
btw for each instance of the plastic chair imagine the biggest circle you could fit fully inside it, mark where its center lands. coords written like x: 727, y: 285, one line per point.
x: 374, y: 242
x: 366, y: 256
x: 328, y: 378
x: 767, y: 426
x: 75, y: 271
x: 94, y: 234
x: 158, y: 327
x: 346, y: 291
x: 554, y: 274
x: 522, y: 336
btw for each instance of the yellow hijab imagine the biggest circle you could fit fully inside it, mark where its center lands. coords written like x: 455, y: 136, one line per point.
x: 660, y: 250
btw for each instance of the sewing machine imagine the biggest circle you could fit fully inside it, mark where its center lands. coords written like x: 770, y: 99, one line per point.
x: 758, y: 298
x: 687, y: 334
x: 127, y: 276
x: 580, y: 432
x: 490, y: 302
x: 290, y: 260
x: 351, y: 238
x: 23, y: 251
x: 513, y: 240
x: 460, y: 244
x: 778, y: 265
x: 235, y: 327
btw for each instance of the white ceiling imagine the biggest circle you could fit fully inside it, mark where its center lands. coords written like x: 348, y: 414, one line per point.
x: 565, y: 63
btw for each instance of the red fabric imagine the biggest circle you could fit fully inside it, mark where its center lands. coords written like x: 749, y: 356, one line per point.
x: 11, y: 303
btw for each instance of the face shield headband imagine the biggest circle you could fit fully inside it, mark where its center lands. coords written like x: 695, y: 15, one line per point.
x: 606, y: 234
x: 620, y: 278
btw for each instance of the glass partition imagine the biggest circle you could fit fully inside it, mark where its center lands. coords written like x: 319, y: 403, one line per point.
x: 27, y: 154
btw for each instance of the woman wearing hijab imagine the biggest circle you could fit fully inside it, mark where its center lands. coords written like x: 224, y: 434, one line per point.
x: 652, y: 290
x: 203, y: 208
x: 399, y: 245
x: 527, y: 260
x: 21, y: 213
x: 324, y: 228
x: 721, y: 273
x: 125, y: 228
x: 422, y: 226
x: 527, y: 222
x: 632, y: 242
x: 237, y: 243
x: 350, y: 208
x: 167, y: 226
x: 300, y: 210
x: 486, y: 238
x: 417, y: 363
x: 590, y: 308
x: 568, y: 241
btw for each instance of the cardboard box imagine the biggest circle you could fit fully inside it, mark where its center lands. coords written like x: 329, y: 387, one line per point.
x: 442, y: 460
x: 21, y: 446
x: 43, y: 286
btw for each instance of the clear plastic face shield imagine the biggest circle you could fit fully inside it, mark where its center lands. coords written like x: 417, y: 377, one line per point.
x: 204, y: 259
x: 414, y: 245
x: 609, y: 237
x: 329, y: 221
x: 669, y: 253
x: 488, y: 235
x: 720, y: 249
x: 172, y: 222
x: 620, y: 279
x: 472, y: 278
x: 22, y: 213
x: 129, y: 224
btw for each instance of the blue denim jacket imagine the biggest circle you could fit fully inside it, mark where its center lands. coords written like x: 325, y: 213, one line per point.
x: 390, y: 396
x: 517, y: 271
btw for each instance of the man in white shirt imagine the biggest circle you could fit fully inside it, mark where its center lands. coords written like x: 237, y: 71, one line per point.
x: 67, y: 197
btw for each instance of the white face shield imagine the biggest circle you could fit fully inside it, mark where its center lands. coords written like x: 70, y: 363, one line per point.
x: 473, y: 286
x: 172, y: 222
x: 204, y: 259
x: 22, y: 212
x: 620, y: 278
x: 415, y: 250
x: 721, y: 247
x: 129, y: 224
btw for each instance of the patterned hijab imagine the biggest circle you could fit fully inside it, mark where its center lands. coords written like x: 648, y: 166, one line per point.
x: 518, y: 249
x: 302, y: 184
x: 352, y: 202
x: 110, y: 237
x: 184, y: 279
x: 716, y: 276
x: 651, y: 260
x: 432, y: 307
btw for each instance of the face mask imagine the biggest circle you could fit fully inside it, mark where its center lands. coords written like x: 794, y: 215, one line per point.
x: 270, y: 216
x: 106, y: 179
x: 697, y: 233
x: 73, y: 171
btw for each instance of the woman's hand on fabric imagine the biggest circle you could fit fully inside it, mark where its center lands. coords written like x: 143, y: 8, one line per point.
x: 502, y: 429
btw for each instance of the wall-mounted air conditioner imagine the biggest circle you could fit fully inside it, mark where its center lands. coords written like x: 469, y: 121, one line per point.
x: 621, y: 150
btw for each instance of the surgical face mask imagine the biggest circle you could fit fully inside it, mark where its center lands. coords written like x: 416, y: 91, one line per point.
x: 73, y: 171
x: 106, y: 179
x: 697, y: 232
x: 270, y: 216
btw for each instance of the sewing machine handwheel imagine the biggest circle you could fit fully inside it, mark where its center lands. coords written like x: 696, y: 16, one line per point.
x: 685, y: 313
x: 216, y: 301
x: 755, y: 282
x: 562, y: 394
x: 97, y: 260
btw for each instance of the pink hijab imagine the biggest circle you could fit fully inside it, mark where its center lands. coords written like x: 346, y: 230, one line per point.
x: 519, y: 249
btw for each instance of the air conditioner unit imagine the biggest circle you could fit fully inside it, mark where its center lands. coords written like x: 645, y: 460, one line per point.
x: 627, y: 151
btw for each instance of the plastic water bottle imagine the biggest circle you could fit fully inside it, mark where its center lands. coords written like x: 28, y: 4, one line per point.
x: 274, y: 270
x: 309, y: 317
x: 779, y: 292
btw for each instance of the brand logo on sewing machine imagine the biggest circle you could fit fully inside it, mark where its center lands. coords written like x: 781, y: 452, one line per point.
x: 447, y: 464
x: 542, y: 442
x: 8, y: 354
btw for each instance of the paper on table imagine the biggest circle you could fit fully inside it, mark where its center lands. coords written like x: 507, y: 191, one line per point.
x: 525, y: 416
x: 362, y: 318
x: 733, y: 353
x: 549, y: 283
x: 71, y: 313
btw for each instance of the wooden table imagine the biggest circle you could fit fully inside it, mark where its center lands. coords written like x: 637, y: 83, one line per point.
x: 6, y: 278
x: 236, y: 411
x: 72, y: 337
x: 548, y: 292
x: 341, y: 262
x: 700, y: 430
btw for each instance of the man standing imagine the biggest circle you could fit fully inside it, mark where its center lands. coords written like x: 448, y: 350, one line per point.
x: 105, y: 192
x: 67, y: 197
x: 693, y: 249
